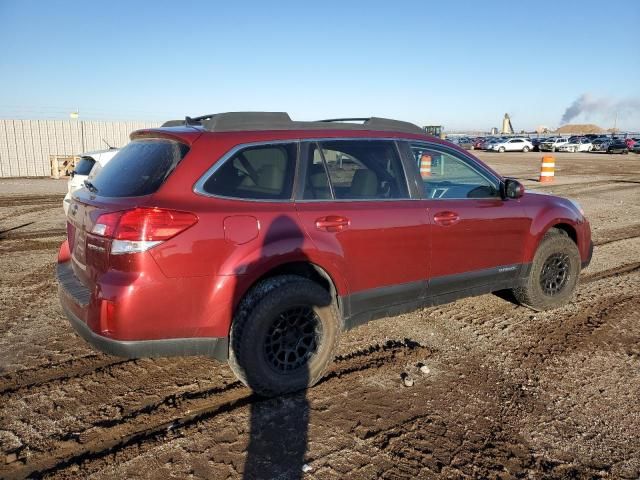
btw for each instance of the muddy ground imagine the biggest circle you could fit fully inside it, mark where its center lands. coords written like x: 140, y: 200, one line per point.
x: 508, y: 392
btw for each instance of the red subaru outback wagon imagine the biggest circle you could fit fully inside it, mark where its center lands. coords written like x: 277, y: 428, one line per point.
x: 256, y: 239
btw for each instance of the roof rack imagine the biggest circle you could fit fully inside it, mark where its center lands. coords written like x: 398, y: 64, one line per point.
x: 239, y: 121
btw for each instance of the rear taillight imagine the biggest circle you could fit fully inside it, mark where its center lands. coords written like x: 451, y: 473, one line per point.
x: 140, y: 229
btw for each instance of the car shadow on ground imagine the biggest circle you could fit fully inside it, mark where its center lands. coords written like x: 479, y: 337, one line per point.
x: 278, y: 426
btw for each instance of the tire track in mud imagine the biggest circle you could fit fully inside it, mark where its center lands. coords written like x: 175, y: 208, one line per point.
x: 35, y: 204
x: 588, y: 188
x: 21, y: 381
x: 28, y: 245
x: 24, y: 200
x: 610, y: 272
x: 46, y: 233
x: 572, y: 331
x: 41, y: 208
x: 618, y: 234
x: 148, y: 422
x: 146, y: 426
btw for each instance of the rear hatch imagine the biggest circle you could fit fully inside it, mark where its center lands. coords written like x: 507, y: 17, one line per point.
x: 125, y: 184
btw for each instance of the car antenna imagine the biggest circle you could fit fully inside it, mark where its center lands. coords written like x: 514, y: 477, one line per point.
x: 110, y: 147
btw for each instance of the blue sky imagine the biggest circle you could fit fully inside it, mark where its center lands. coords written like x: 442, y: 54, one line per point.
x: 460, y: 64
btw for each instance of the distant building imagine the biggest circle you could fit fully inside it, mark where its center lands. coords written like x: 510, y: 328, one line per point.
x: 507, y: 128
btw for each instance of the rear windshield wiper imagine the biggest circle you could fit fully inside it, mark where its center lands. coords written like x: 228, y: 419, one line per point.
x: 90, y: 186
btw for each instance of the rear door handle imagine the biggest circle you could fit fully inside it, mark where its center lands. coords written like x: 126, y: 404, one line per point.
x: 446, y: 218
x: 332, y: 223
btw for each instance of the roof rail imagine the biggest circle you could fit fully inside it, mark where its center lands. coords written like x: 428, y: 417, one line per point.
x: 239, y: 121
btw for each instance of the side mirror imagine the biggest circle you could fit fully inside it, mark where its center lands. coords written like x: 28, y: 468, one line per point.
x: 513, y: 188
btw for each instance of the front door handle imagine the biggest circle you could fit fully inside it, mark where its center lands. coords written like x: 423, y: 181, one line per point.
x: 332, y: 223
x: 446, y: 218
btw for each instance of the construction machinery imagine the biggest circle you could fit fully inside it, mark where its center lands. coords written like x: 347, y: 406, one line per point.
x: 435, y: 130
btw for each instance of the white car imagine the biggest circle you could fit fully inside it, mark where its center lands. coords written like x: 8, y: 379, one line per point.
x: 579, y: 145
x: 491, y: 141
x: 89, y: 165
x: 552, y: 144
x: 512, y: 145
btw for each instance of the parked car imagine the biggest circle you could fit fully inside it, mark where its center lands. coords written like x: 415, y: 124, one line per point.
x: 601, y: 144
x: 577, y: 145
x: 552, y: 144
x: 478, y: 143
x: 491, y: 140
x: 636, y: 147
x: 618, y: 145
x: 89, y: 163
x: 258, y: 240
x: 630, y: 142
x: 536, y: 143
x: 466, y: 143
x: 512, y: 145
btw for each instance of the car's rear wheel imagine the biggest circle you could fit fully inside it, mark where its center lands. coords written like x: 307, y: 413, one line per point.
x: 554, y: 272
x: 284, y: 335
x: 525, y: 149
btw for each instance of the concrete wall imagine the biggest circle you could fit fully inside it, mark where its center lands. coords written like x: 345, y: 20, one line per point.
x: 25, y: 145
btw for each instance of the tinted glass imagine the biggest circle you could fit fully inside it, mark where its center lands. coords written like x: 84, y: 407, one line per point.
x: 447, y: 176
x: 139, y: 168
x: 264, y: 172
x: 316, y: 184
x: 364, y: 169
x: 84, y: 166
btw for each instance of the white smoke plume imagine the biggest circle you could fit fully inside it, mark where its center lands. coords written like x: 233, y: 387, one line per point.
x: 588, y: 105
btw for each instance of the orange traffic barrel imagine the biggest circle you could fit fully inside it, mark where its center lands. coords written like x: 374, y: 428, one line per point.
x: 547, y: 169
x: 425, y: 165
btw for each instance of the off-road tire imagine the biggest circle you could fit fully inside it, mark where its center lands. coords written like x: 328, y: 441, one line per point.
x: 532, y: 293
x: 252, y: 320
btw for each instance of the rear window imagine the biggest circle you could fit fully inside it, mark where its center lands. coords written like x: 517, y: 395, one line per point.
x: 139, y: 168
x: 84, y: 166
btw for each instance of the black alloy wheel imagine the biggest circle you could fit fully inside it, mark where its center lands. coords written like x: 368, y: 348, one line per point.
x: 292, y: 339
x: 555, y: 273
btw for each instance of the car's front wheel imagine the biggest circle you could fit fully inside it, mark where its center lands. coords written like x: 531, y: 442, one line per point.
x: 501, y: 149
x: 284, y: 335
x: 553, y: 275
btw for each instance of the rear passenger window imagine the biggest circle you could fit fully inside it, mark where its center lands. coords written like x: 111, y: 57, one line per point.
x: 264, y: 172
x: 354, y: 170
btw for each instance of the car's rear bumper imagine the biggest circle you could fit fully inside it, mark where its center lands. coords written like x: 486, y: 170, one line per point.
x: 79, y: 304
x: 172, y: 347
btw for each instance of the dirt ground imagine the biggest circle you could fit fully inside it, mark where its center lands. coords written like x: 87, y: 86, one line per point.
x: 506, y: 392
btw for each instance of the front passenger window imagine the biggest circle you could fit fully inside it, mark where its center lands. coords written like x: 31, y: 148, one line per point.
x: 446, y: 176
